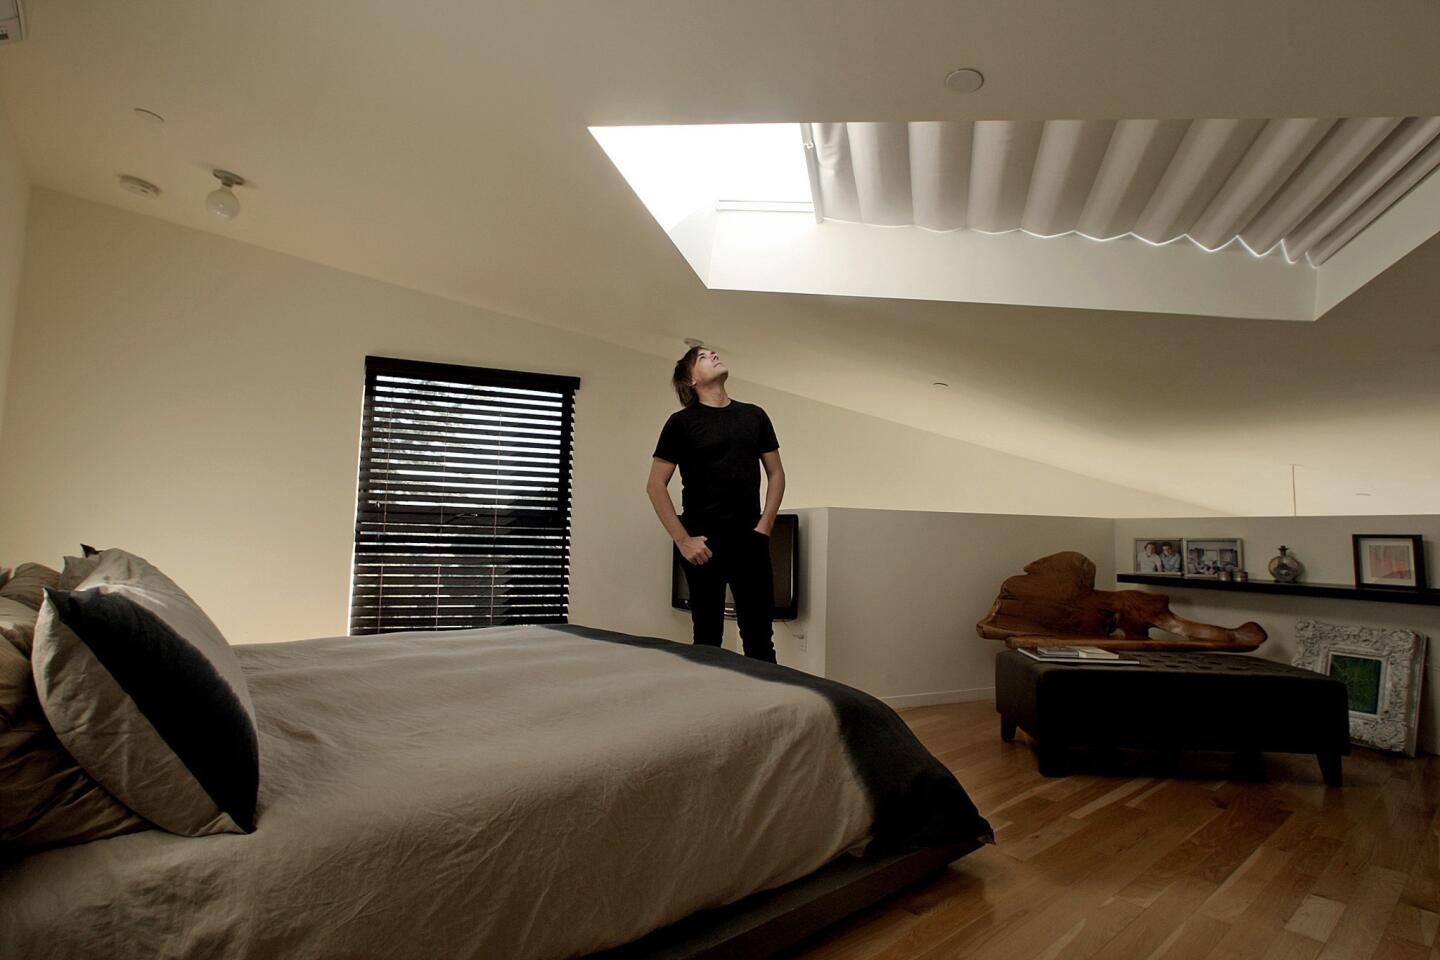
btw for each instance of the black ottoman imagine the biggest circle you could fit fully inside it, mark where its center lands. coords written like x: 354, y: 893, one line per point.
x: 1173, y: 701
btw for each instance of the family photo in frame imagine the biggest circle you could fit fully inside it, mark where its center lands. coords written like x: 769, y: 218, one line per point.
x: 1207, y: 559
x: 1160, y: 556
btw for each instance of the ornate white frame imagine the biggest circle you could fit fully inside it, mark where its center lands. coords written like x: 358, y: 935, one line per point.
x: 1395, y: 724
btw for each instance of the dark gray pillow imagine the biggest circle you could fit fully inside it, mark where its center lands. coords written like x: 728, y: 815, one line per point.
x: 142, y: 689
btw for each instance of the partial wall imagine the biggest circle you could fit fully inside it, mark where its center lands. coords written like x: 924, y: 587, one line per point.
x: 197, y: 400
x: 904, y: 591
x: 1323, y: 545
x: 14, y: 205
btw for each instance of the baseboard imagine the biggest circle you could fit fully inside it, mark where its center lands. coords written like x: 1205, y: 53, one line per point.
x: 940, y: 696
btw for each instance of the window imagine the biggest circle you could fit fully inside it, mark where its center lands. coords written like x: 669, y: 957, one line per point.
x: 462, y: 516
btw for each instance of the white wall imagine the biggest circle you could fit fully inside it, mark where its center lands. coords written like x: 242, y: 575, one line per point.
x: 197, y: 400
x: 14, y: 200
x: 904, y: 591
x: 1323, y: 545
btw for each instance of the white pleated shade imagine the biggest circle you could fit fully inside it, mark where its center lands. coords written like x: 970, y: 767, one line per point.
x: 1305, y: 187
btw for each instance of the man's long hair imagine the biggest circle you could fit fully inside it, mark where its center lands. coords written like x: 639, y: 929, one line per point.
x: 681, y: 380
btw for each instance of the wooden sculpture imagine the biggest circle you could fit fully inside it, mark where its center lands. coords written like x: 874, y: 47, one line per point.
x: 1055, y: 601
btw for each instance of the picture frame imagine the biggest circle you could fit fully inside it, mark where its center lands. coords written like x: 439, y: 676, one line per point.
x: 1389, y: 561
x: 1159, y: 556
x: 1382, y: 671
x: 1206, y: 557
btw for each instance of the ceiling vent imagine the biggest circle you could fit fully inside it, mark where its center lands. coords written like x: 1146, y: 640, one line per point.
x: 12, y: 21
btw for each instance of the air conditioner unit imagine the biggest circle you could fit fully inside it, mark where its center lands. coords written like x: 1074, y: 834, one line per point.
x: 12, y: 21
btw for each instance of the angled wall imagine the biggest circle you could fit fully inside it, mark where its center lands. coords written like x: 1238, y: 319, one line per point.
x: 197, y: 400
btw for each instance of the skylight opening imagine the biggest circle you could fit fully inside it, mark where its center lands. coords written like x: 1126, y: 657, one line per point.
x: 679, y: 170
x: 1025, y: 211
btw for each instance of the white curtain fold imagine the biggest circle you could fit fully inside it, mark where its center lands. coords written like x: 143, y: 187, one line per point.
x: 1303, y: 186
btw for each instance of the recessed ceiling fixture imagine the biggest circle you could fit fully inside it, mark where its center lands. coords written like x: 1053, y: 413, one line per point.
x: 149, y: 116
x: 222, y: 202
x: 941, y: 384
x: 964, y: 80
x: 139, y: 187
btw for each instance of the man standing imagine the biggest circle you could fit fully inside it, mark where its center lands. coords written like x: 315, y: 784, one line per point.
x: 723, y: 536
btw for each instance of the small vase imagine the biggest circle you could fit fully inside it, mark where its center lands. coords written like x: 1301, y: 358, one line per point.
x: 1285, y: 568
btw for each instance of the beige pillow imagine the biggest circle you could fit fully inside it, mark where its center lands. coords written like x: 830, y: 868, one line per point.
x: 28, y: 582
x: 46, y: 800
x: 17, y: 624
x: 76, y: 570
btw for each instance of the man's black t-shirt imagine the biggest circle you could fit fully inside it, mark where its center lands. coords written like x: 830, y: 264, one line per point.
x: 718, y: 452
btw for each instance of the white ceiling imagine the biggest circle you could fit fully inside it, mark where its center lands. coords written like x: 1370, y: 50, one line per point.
x: 444, y: 147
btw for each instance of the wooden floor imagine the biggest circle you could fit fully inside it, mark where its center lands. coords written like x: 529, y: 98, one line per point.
x: 1132, y: 867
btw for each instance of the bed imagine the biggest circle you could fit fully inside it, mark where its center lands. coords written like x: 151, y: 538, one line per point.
x: 512, y: 792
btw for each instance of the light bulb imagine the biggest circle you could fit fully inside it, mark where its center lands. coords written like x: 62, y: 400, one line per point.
x: 223, y: 203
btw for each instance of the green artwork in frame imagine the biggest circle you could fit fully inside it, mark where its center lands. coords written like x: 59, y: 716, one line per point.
x: 1361, y: 676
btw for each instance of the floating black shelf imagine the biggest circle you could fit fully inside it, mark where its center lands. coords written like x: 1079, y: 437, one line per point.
x: 1331, y: 591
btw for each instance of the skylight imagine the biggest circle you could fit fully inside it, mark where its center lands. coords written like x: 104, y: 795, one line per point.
x: 1277, y: 213
x: 679, y: 170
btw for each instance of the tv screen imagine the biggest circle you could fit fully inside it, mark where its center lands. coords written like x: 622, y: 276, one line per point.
x: 784, y: 562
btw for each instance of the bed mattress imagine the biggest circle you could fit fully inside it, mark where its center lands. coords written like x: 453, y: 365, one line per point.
x: 513, y: 792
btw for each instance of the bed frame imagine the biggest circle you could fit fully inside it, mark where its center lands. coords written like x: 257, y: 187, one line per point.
x: 763, y: 924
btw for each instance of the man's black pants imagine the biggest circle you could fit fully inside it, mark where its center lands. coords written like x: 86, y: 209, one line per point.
x: 741, y: 559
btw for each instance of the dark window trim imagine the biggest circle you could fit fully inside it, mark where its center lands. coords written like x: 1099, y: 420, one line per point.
x: 367, y: 596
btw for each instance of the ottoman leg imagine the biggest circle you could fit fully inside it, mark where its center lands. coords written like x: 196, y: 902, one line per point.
x: 1007, y: 728
x: 1330, y: 768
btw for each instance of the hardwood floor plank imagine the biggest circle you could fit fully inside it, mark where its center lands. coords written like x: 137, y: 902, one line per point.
x: 1392, y: 948
x: 1176, y: 904
x: 1416, y: 924
x: 1113, y: 796
x: 1090, y: 867
x: 1292, y: 946
x: 1239, y: 890
x: 1316, y: 918
x: 1192, y: 940
x: 1362, y: 925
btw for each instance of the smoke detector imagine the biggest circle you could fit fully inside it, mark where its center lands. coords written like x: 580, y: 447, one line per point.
x: 12, y: 21
x: 139, y: 187
x: 964, y: 80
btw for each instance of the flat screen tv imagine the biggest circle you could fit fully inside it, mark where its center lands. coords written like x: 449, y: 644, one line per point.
x: 784, y: 561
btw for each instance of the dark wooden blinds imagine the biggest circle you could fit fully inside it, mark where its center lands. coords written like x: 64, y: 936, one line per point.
x: 463, y: 512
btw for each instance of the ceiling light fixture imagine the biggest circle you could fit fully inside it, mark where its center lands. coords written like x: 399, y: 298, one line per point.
x: 964, y: 80
x: 139, y: 187
x: 223, y: 202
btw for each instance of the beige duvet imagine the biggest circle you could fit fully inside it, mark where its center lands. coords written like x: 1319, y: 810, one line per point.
x: 510, y: 793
